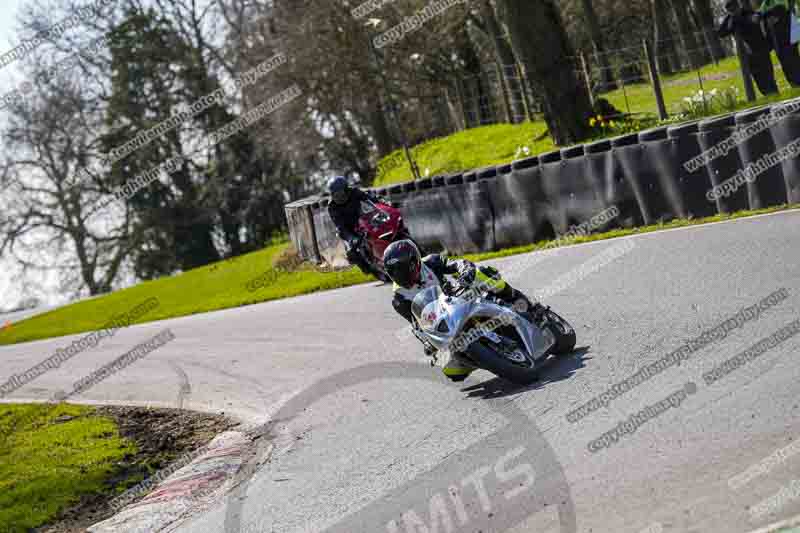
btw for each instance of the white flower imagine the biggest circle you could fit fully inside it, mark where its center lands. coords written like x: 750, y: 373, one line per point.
x: 427, y: 172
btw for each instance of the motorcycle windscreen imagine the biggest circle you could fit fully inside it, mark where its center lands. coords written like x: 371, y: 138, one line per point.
x: 426, y: 307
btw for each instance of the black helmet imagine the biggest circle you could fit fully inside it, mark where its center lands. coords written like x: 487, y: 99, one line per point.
x: 339, y: 190
x: 403, y: 263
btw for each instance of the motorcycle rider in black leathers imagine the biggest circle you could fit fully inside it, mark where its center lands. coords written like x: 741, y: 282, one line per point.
x: 412, y: 274
x: 345, y: 210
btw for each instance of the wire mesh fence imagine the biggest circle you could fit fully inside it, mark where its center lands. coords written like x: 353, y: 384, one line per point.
x: 693, y: 69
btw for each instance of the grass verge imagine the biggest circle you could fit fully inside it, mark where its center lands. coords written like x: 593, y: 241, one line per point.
x: 217, y: 286
x: 50, y: 458
x: 497, y: 144
x: 61, y: 464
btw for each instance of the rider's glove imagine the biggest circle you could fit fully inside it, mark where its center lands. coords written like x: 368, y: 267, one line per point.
x: 466, y: 272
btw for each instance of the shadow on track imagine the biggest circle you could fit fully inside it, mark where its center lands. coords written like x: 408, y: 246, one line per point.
x: 554, y: 370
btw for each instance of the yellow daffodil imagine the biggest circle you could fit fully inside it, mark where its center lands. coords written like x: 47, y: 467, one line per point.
x: 592, y: 121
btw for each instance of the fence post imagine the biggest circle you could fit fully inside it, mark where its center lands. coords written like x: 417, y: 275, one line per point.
x: 655, y: 80
x: 747, y: 78
x: 462, y: 102
x: 588, y: 78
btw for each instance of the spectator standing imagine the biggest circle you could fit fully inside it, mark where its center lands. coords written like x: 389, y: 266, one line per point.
x: 776, y: 24
x: 745, y: 24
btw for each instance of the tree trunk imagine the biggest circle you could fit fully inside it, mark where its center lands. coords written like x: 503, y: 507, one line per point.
x: 694, y: 50
x: 541, y: 43
x: 380, y: 130
x: 706, y: 16
x: 506, y: 58
x: 663, y: 42
x: 606, y: 75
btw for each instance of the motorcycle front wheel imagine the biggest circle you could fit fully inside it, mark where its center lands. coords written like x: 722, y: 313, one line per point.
x: 488, y: 359
x: 563, y: 332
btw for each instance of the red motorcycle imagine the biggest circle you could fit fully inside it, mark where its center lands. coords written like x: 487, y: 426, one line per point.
x: 381, y: 225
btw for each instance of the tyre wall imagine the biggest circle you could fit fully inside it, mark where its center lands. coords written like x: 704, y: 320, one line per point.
x: 646, y: 176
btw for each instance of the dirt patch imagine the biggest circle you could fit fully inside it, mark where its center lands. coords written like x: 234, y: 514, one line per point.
x: 693, y: 81
x: 161, y: 437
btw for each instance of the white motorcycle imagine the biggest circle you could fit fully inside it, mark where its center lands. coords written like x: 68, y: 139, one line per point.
x: 490, y: 334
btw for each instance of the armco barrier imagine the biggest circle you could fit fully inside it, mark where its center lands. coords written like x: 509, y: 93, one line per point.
x: 769, y: 188
x: 641, y: 174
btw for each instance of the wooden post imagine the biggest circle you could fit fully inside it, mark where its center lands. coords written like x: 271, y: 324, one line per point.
x: 655, y: 80
x: 523, y: 81
x: 588, y: 78
x: 462, y: 103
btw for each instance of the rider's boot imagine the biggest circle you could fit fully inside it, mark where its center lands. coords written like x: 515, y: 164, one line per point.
x: 355, y: 258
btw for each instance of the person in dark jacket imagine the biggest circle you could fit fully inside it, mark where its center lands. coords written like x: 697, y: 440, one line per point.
x: 746, y: 24
x: 412, y: 274
x: 345, y: 210
x: 776, y: 24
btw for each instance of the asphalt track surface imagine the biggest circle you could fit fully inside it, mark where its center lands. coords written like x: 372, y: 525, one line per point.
x: 373, y: 440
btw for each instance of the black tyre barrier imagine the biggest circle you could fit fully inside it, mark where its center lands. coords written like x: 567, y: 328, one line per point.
x: 421, y: 213
x: 658, y: 152
x: 517, y: 199
x: 448, y: 213
x: 579, y: 199
x: 710, y: 133
x: 520, y: 209
x: 550, y: 175
x: 605, y: 173
x: 769, y: 187
x: 783, y: 132
x: 683, y: 146
x: 468, y: 214
x: 642, y: 175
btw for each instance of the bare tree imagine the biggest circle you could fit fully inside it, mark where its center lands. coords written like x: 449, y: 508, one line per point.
x: 49, y: 224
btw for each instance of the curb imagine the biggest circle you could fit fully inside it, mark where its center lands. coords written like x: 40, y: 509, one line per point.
x: 778, y: 526
x: 198, y: 484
